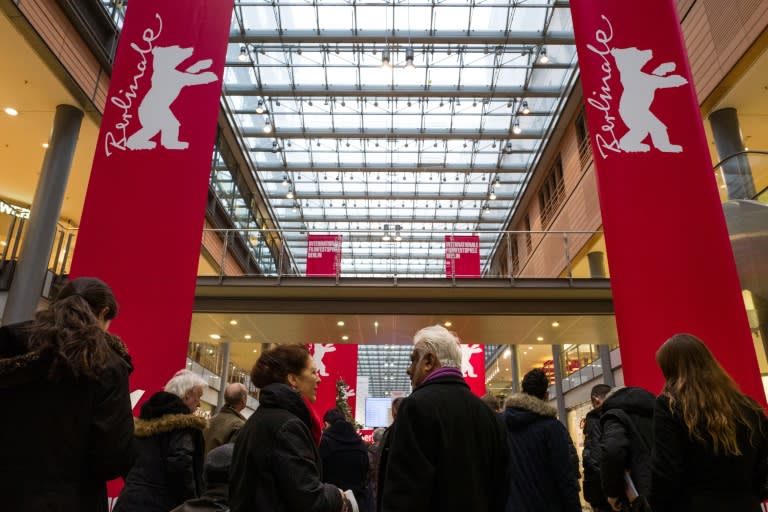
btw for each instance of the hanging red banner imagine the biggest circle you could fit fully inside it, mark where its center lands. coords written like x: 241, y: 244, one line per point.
x: 656, y: 185
x: 462, y: 256
x: 473, y: 367
x: 323, y: 255
x: 334, y: 361
x: 149, y: 180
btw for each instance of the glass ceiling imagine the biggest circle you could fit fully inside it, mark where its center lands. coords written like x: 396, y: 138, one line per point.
x: 445, y: 146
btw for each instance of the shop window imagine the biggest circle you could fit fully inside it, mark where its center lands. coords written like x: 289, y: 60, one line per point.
x: 552, y: 193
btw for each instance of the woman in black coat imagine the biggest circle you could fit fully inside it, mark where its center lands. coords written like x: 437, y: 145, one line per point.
x: 710, y: 441
x: 169, y: 440
x: 276, y: 464
x: 67, y: 423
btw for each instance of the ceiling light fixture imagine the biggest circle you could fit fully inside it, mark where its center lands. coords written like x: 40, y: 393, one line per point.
x: 243, y: 57
x: 247, y: 336
x: 267, y: 126
x: 555, y: 324
x: 525, y: 110
x: 260, y: 107
x: 492, y: 196
x: 215, y: 336
x: 539, y: 338
x: 233, y: 322
x: 290, y: 194
x: 516, y: 127
x: 11, y: 111
x: 45, y: 145
x: 543, y: 58
x: 409, y: 58
x: 447, y: 324
x: 345, y: 337
x: 496, y: 182
x: 340, y: 323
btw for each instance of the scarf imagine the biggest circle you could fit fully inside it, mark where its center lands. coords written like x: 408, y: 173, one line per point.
x: 442, y: 372
x: 316, y: 426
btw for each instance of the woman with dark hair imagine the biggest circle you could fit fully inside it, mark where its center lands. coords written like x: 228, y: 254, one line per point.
x: 276, y: 464
x: 64, y: 389
x: 710, y: 446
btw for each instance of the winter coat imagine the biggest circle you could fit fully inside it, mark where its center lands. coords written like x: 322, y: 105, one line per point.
x: 276, y: 465
x: 544, y: 474
x: 445, y: 452
x: 593, y: 489
x: 169, y: 467
x: 61, y: 441
x: 215, y: 499
x: 621, y: 449
x: 223, y: 428
x: 689, y: 476
x: 345, y: 460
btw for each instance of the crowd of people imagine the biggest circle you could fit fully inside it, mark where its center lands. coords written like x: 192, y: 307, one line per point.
x: 700, y: 445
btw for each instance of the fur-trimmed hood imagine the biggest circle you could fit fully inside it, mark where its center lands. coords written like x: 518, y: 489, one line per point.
x: 167, y: 423
x: 20, y: 366
x: 522, y: 409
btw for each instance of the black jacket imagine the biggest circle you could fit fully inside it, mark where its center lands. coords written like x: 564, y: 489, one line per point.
x: 345, y: 460
x: 276, y: 465
x: 169, y: 468
x: 544, y: 474
x: 621, y: 449
x: 687, y: 475
x: 213, y: 500
x: 61, y: 441
x: 593, y: 489
x: 446, y: 452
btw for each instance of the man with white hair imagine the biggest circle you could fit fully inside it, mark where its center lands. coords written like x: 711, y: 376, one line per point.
x: 447, y: 450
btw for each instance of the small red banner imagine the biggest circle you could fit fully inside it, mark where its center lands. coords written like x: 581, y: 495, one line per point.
x: 462, y: 256
x: 656, y: 183
x: 334, y: 361
x: 323, y: 255
x: 473, y: 367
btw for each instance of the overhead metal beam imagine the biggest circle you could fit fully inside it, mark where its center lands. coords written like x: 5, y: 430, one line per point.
x: 402, y: 37
x: 393, y: 91
x: 399, y: 133
x: 536, y: 65
x: 379, y: 196
x: 427, y: 168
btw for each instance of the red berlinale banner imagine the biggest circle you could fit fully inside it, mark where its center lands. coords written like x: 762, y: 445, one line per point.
x: 656, y: 185
x: 143, y: 215
x: 323, y: 255
x: 473, y: 367
x: 334, y: 361
x: 462, y: 256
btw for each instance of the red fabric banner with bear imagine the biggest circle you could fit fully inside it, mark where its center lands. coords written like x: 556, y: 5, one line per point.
x: 656, y: 184
x: 335, y: 361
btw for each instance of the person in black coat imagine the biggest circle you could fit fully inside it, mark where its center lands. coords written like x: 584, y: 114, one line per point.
x: 710, y: 451
x: 68, y: 425
x: 627, y: 424
x: 544, y: 473
x: 446, y: 450
x: 170, y: 444
x: 276, y: 464
x: 345, y: 456
x: 216, y: 472
x: 593, y: 490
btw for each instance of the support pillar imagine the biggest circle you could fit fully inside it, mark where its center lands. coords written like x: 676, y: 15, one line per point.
x: 560, y: 399
x: 737, y: 173
x: 515, y: 366
x: 27, y: 284
x: 224, y: 374
x: 605, y: 364
x: 596, y: 260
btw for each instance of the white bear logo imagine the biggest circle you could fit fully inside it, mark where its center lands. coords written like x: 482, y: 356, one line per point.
x: 635, y: 103
x: 466, y: 354
x: 154, y: 112
x: 319, y: 353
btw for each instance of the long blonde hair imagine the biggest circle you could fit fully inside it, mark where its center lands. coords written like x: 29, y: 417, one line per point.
x: 706, y: 397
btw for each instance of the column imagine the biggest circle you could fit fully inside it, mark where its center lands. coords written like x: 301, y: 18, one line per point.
x: 736, y: 171
x: 605, y: 364
x: 27, y: 284
x: 224, y: 347
x: 515, y: 366
x: 556, y: 358
x: 596, y: 261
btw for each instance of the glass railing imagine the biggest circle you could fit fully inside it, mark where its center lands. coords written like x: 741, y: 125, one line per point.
x: 743, y: 176
x: 406, y: 254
